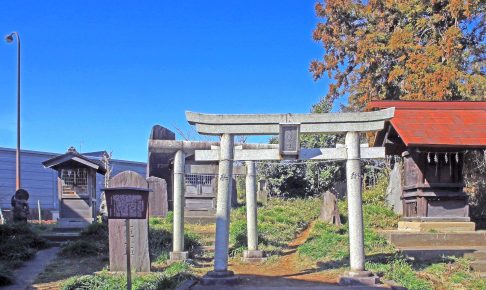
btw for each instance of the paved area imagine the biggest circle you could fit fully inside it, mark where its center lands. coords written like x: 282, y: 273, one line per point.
x: 249, y: 282
x: 26, y: 275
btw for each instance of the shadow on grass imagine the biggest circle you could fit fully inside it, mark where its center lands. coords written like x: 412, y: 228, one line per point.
x: 62, y: 268
x: 341, y: 263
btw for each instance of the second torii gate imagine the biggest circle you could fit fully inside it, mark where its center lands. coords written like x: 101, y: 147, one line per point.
x: 289, y: 127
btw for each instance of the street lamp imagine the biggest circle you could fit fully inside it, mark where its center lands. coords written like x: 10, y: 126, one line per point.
x: 10, y: 38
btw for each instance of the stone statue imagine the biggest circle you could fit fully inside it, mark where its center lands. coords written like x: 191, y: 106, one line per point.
x: 329, y: 208
x: 20, y: 205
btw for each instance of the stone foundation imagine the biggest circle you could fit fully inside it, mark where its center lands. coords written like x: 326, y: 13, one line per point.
x: 178, y: 256
x: 358, y: 278
x: 224, y: 278
x: 253, y: 256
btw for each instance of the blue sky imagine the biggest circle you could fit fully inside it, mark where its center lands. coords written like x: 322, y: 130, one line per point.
x: 99, y: 74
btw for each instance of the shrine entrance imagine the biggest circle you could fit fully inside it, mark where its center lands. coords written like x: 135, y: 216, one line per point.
x: 288, y: 127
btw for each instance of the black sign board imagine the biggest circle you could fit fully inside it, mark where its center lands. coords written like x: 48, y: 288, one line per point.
x: 289, y: 140
x: 127, y: 202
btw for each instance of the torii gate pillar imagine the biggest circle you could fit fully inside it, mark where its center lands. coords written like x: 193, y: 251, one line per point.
x: 223, y: 208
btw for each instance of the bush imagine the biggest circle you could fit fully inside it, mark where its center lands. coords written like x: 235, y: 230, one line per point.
x: 93, y: 242
x: 376, y: 194
x: 96, y: 230
x: 82, y: 248
x: 6, y: 275
x: 18, y: 242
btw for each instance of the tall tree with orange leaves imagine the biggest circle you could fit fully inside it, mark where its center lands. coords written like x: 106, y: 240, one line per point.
x: 402, y: 49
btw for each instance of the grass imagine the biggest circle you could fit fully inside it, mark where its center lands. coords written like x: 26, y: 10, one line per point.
x: 329, y: 246
x: 456, y: 273
x: 278, y: 224
x: 18, y: 243
x: 88, y: 255
x: 170, y: 278
x: 160, y: 239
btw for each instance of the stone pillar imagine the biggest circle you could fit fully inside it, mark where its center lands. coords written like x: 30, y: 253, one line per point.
x: 221, y: 275
x: 357, y: 275
x: 252, y: 254
x: 355, y: 211
x: 178, y: 253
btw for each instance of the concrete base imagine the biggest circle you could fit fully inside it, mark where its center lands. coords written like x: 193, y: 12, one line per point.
x: 223, y: 278
x: 442, y: 227
x: 253, y: 256
x: 178, y: 256
x: 359, y: 278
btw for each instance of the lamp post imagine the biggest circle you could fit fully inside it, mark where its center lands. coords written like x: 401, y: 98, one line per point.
x: 10, y: 38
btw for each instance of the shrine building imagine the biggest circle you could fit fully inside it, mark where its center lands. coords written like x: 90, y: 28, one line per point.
x: 432, y: 138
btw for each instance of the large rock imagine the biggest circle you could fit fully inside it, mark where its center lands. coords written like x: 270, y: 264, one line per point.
x: 394, y: 190
x: 329, y: 209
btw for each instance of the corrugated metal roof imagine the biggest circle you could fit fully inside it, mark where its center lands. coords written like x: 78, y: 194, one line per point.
x: 439, y: 124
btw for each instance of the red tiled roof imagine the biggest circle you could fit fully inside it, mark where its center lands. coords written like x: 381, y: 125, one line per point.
x: 438, y: 124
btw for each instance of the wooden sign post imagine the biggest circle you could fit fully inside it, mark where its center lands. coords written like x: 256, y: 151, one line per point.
x: 127, y: 203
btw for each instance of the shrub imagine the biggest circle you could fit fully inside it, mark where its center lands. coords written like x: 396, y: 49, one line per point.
x: 18, y: 242
x: 93, y: 242
x: 82, y: 248
x: 6, y: 275
x: 376, y: 194
x: 96, y: 230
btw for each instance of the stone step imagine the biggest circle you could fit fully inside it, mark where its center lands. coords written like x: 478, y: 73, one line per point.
x: 477, y: 255
x: 207, y: 248
x: 437, y: 254
x: 208, y: 213
x: 419, y: 239
x: 61, y: 237
x: 478, y: 266
x: 200, y: 219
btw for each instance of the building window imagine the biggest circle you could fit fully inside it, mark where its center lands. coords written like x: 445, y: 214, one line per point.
x: 74, y: 181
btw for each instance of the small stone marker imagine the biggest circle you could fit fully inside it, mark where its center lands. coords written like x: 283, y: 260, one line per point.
x: 329, y: 209
x: 262, y: 192
x: 158, y: 205
x: 394, y: 190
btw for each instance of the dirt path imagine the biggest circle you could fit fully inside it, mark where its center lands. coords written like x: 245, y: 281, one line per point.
x: 288, y: 265
x: 25, y: 275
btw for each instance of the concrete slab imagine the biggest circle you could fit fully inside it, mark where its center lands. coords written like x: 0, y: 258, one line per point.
x: 254, y: 282
x: 421, y: 239
x: 442, y: 227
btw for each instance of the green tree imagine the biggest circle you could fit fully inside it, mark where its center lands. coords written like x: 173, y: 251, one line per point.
x: 402, y: 49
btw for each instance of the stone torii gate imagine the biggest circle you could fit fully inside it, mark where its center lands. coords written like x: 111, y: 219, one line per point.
x: 181, y: 149
x: 289, y: 127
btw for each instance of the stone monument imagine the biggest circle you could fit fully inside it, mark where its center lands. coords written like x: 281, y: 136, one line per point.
x: 20, y: 205
x: 140, y: 258
x: 329, y: 209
